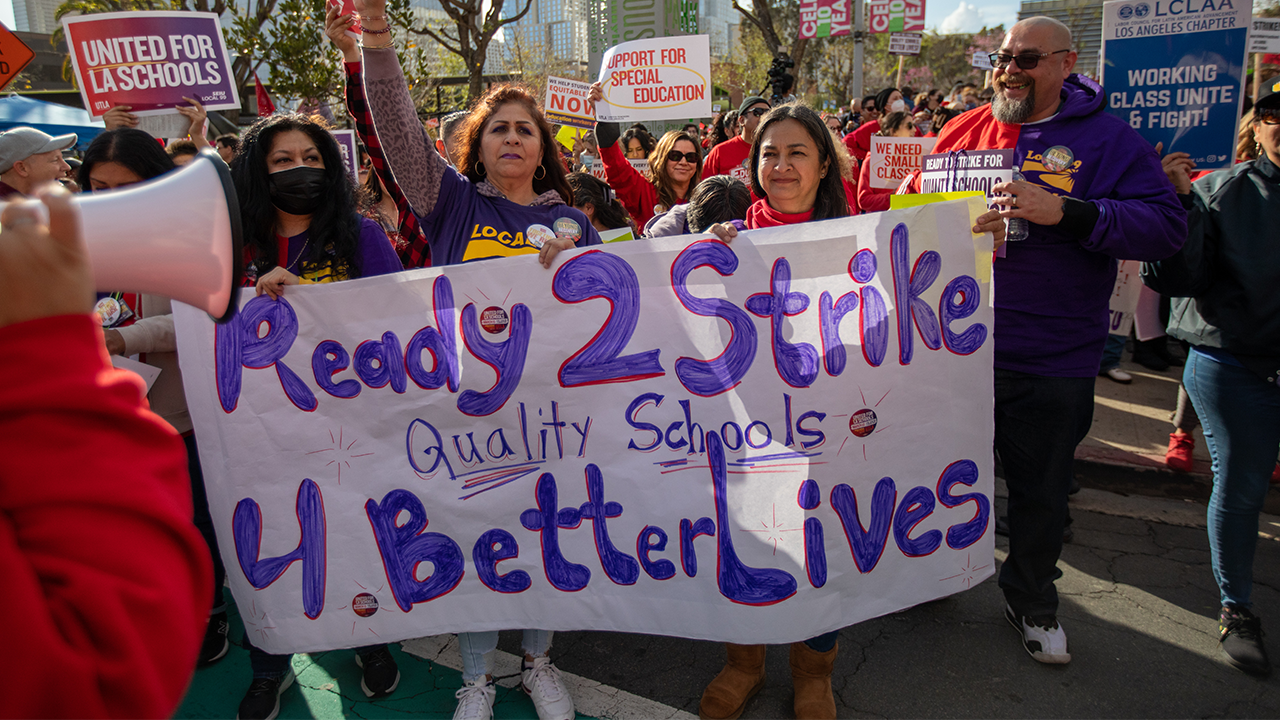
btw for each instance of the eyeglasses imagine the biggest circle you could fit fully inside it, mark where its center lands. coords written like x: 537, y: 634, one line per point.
x: 1268, y: 116
x: 676, y: 156
x: 1026, y: 61
x: 758, y: 111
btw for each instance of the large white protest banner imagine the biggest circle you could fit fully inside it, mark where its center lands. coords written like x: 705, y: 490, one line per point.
x: 755, y: 442
x: 894, y: 158
x: 656, y: 79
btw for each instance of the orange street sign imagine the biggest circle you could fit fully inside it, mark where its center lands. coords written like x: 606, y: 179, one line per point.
x: 14, y: 55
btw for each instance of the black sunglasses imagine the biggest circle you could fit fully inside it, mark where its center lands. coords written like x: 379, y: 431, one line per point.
x: 1026, y: 61
x: 676, y: 156
x: 758, y: 111
x: 1268, y: 116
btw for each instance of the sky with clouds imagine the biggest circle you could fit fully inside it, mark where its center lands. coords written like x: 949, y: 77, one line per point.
x: 945, y: 16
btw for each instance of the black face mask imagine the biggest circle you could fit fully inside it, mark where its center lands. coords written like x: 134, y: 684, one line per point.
x: 298, y: 190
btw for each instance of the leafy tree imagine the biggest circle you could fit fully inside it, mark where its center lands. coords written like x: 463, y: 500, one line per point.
x: 474, y: 26
x: 745, y: 68
x: 778, y: 22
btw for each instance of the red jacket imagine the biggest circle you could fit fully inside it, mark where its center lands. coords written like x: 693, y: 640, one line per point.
x: 871, y: 199
x: 859, y: 141
x: 637, y: 194
x: 106, y: 581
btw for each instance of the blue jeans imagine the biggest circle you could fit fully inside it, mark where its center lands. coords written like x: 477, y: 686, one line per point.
x: 1240, y: 414
x: 1111, y: 352
x: 477, y: 649
x: 1039, y: 422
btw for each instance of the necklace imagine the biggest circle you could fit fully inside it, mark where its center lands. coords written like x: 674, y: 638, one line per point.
x: 298, y: 258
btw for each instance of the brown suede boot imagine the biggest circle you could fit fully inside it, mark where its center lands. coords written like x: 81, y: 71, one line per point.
x: 739, y: 681
x: 811, y: 675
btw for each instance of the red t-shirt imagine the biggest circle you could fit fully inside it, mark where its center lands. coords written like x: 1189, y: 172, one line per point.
x: 859, y: 141
x: 729, y: 158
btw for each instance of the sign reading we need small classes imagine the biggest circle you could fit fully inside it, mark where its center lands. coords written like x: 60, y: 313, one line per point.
x: 656, y: 79
x: 893, y: 158
x: 150, y: 61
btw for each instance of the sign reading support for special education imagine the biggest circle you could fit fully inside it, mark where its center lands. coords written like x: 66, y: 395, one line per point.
x: 895, y: 16
x: 1173, y: 70
x: 567, y: 104
x: 1264, y: 36
x: 150, y: 61
x: 825, y: 18
x: 894, y: 158
x: 656, y: 79
x: 753, y: 442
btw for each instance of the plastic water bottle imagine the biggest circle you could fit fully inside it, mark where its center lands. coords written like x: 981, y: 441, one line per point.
x: 1017, y: 228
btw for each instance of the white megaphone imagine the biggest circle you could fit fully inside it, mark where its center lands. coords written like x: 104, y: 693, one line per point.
x: 178, y: 236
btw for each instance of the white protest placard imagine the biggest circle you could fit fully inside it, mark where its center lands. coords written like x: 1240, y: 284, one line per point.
x: 350, y: 152
x: 1264, y: 36
x: 656, y: 79
x: 967, y: 171
x: 150, y: 61
x: 566, y: 103
x: 597, y: 167
x: 750, y: 443
x: 148, y: 373
x: 904, y: 43
x: 982, y: 61
x: 894, y: 158
x: 1124, y: 298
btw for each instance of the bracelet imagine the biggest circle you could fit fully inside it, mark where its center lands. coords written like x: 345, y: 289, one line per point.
x: 372, y: 17
x: 383, y: 31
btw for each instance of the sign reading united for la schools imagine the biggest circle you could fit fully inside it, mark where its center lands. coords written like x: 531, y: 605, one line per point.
x: 150, y: 61
x: 656, y: 79
x: 755, y: 442
x: 1173, y: 70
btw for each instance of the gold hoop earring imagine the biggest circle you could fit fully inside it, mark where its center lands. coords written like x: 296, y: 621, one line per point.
x: 480, y: 169
x: 543, y: 168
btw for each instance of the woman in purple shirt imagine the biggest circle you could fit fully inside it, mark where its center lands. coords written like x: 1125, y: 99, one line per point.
x: 298, y: 209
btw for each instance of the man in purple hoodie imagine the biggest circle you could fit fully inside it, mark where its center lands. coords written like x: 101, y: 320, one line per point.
x: 1093, y: 191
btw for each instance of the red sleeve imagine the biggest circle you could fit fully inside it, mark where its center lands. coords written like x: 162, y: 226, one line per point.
x: 637, y: 194
x: 871, y: 199
x: 851, y: 196
x: 711, y: 164
x: 106, y: 581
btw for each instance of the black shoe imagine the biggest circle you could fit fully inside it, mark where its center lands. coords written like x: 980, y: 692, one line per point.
x: 1151, y: 354
x: 381, y: 675
x: 215, y: 644
x: 1240, y: 633
x: 262, y: 701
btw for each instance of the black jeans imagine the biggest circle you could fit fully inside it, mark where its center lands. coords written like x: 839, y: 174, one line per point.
x: 1039, y: 422
x: 203, y: 522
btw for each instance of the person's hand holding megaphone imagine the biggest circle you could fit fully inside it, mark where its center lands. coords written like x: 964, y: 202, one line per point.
x: 44, y: 264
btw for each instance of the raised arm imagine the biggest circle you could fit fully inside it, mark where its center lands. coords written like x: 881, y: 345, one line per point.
x: 414, y: 163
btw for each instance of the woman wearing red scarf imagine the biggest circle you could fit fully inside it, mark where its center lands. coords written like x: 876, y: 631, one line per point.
x: 795, y: 172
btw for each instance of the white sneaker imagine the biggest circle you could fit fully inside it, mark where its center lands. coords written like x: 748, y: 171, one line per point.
x: 1117, y: 375
x: 475, y: 700
x: 1044, y: 639
x: 550, y: 697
